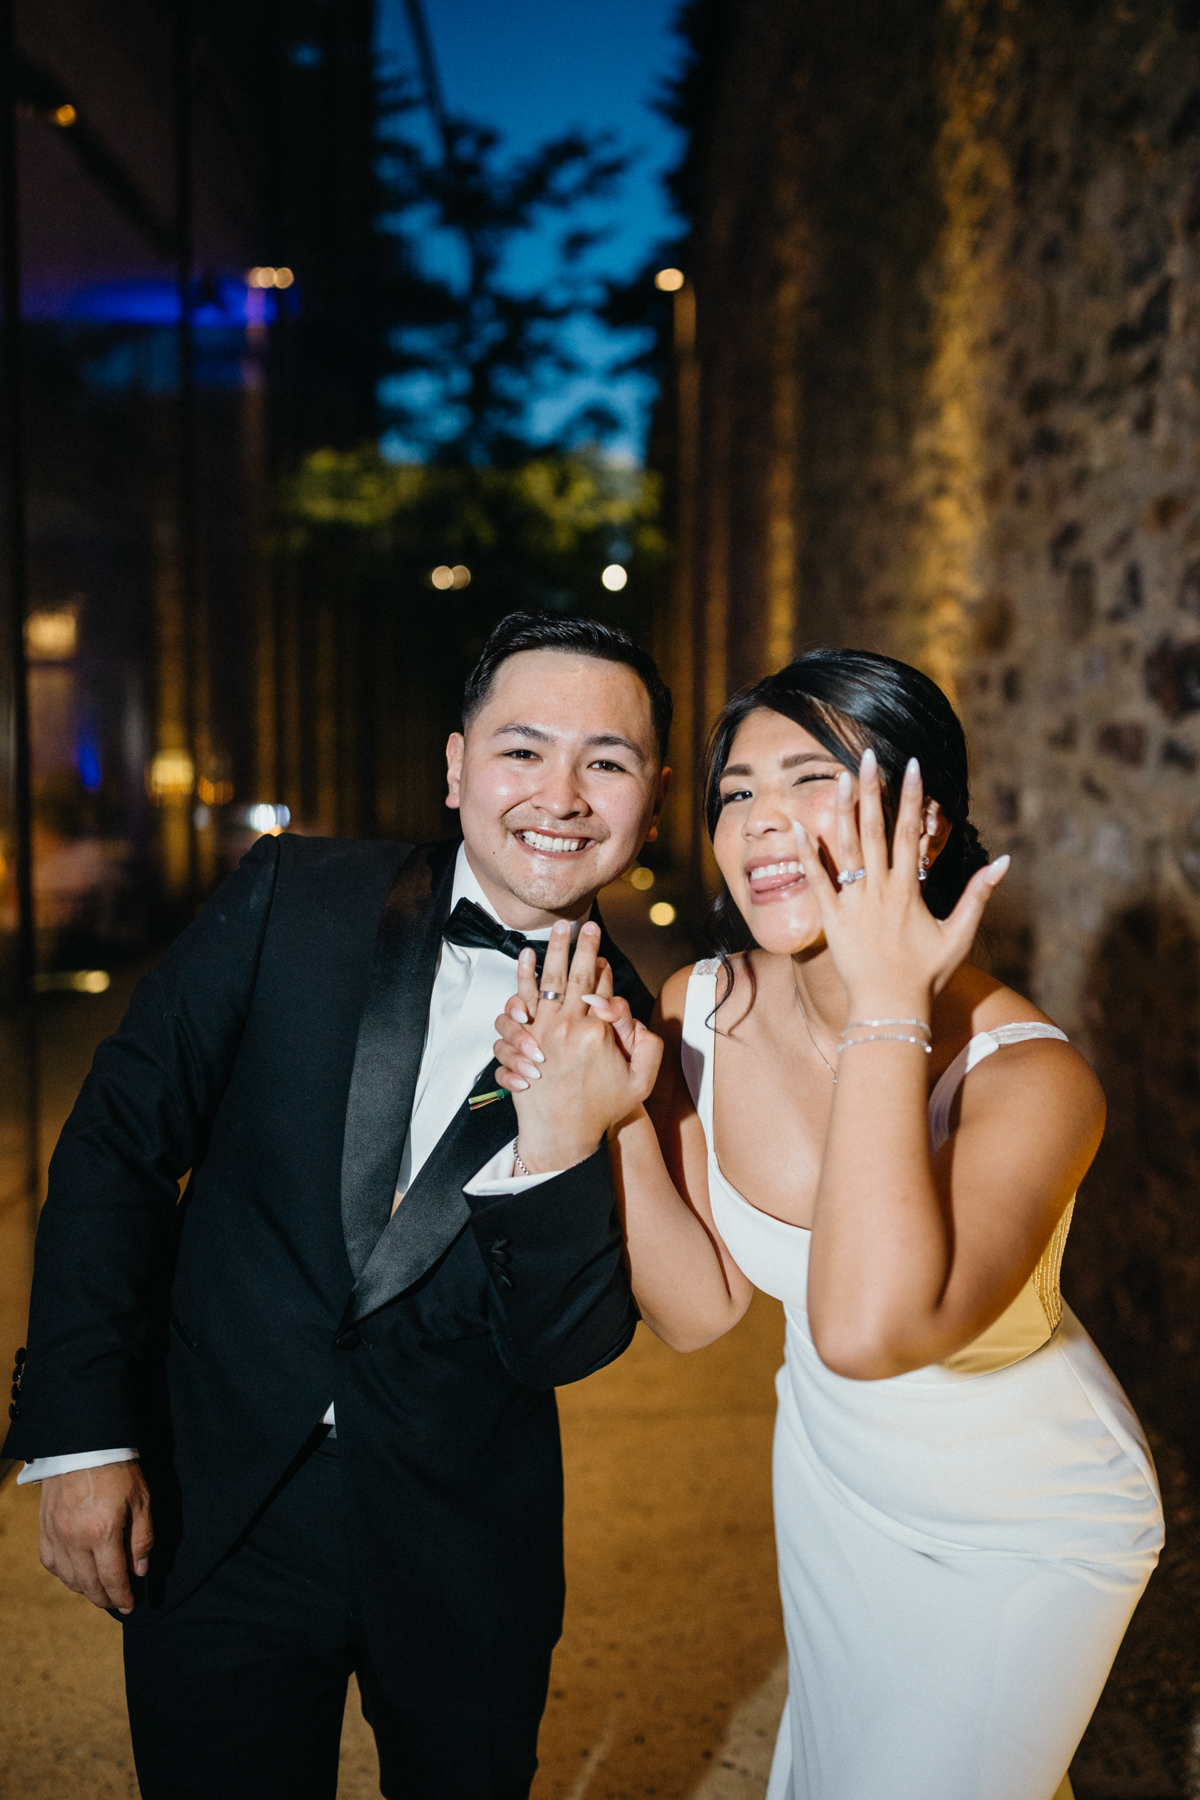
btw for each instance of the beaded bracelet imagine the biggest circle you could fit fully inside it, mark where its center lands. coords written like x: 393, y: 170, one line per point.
x: 920, y: 1023
x: 885, y: 1037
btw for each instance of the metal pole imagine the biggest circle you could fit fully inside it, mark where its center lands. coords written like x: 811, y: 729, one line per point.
x: 186, y: 418
x: 17, y: 582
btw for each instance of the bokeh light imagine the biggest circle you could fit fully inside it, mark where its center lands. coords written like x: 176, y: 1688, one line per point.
x: 615, y: 577
x: 662, y: 913
x: 669, y: 280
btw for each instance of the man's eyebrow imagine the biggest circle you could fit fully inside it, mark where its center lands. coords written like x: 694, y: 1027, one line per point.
x: 785, y: 762
x: 601, y: 740
x: 526, y: 731
x: 604, y: 740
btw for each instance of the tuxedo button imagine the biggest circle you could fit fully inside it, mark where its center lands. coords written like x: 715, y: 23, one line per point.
x: 20, y: 1356
x: 503, y: 1280
x: 13, y: 1409
x: 499, y: 1244
x: 16, y: 1390
x: 349, y: 1340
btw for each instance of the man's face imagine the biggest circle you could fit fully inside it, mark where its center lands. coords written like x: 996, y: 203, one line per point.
x: 557, y: 783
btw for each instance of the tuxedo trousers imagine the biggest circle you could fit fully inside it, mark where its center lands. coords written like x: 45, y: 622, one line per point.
x: 240, y: 1690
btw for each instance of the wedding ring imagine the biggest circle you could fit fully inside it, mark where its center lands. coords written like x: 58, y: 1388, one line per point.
x: 846, y: 876
x: 549, y: 994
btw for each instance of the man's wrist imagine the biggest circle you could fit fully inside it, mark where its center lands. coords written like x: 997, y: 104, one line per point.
x: 549, y: 1155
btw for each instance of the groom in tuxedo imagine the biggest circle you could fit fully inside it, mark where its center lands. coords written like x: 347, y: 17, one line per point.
x: 298, y: 1419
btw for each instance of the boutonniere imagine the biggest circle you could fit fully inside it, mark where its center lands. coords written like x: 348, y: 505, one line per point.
x: 475, y: 1101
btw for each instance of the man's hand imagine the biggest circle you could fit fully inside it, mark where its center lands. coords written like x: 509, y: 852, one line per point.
x: 576, y: 1063
x: 95, y: 1527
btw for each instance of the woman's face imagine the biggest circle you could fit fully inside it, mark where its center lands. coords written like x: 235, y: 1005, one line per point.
x: 777, y: 773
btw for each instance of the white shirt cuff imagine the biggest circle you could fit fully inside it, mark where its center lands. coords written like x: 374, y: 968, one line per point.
x: 43, y: 1467
x: 496, y: 1177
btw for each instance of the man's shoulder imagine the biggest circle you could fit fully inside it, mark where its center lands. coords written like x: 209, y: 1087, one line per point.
x: 301, y: 855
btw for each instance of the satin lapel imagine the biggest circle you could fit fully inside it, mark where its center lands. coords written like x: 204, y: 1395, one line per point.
x: 627, y: 983
x: 391, y: 1035
x: 435, y: 1209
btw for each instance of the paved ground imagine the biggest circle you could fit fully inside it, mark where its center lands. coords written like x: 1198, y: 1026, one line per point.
x: 669, y: 1680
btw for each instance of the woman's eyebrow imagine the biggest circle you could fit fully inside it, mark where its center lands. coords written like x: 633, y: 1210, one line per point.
x: 785, y: 762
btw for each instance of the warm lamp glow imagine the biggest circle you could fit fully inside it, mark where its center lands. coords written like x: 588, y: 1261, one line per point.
x: 172, y: 775
x: 662, y: 913
x: 50, y: 636
x: 64, y: 116
x: 669, y: 280
x: 266, y: 277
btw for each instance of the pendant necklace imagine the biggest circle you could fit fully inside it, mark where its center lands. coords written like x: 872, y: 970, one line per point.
x: 812, y: 1040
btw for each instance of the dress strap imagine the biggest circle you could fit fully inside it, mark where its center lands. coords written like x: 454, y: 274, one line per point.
x: 984, y: 1043
x: 699, y: 1039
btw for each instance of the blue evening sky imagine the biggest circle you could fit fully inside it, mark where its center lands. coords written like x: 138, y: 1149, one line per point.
x: 534, y: 69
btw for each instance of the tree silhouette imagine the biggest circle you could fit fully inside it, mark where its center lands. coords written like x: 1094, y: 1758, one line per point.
x: 467, y: 352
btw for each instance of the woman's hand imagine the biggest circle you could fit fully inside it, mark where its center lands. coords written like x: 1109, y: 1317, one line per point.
x: 574, y: 1059
x: 888, y: 948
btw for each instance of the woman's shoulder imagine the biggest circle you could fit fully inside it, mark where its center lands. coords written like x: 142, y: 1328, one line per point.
x: 976, y: 1002
x: 672, y: 999
x: 980, y: 1004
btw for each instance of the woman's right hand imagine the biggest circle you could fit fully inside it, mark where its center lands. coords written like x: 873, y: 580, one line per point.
x: 575, y: 1066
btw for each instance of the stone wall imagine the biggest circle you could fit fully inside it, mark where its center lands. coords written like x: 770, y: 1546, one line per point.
x: 947, y: 267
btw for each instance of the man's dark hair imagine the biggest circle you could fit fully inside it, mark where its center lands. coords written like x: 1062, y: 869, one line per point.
x: 586, y: 637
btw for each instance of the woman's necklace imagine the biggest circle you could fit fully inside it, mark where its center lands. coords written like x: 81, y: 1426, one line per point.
x: 812, y: 1040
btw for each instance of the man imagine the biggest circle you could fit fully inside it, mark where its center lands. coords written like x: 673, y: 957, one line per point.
x: 316, y: 1051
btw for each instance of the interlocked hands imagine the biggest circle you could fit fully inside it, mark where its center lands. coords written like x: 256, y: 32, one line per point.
x: 572, y: 1055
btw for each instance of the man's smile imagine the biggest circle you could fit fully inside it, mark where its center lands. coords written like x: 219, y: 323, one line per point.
x: 552, y: 843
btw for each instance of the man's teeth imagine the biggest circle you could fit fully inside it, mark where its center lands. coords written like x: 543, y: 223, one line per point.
x: 558, y: 846
x: 769, y: 869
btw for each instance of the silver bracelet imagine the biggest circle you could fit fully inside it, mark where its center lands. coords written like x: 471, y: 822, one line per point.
x: 885, y: 1037
x: 855, y: 1023
x: 519, y: 1163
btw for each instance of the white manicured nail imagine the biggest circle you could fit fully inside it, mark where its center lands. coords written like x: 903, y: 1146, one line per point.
x: 532, y: 1051
x: 520, y: 1015
x: 1001, y: 863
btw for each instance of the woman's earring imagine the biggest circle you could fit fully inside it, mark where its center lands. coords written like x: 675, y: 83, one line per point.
x: 922, y: 868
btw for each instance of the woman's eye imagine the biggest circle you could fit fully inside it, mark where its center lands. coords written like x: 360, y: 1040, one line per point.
x: 735, y: 794
x: 827, y: 776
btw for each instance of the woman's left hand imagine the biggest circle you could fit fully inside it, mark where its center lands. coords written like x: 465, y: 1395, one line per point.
x: 889, y: 949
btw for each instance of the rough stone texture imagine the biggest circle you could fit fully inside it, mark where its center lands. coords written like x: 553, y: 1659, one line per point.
x: 947, y: 262
x: 947, y: 268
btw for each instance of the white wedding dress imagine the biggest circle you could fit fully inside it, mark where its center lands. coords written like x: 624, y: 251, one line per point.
x: 961, y: 1547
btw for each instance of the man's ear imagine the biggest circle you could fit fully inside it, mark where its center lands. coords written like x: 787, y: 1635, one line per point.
x: 455, y: 746
x: 664, y: 785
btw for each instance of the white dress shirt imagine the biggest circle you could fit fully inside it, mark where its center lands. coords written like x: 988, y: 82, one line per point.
x: 470, y: 989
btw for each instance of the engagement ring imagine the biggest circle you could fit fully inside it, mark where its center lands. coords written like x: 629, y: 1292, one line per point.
x: 846, y: 876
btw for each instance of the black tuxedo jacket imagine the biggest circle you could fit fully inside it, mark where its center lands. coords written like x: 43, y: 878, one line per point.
x: 274, y: 1052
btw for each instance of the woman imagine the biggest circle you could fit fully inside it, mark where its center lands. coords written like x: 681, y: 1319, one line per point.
x: 853, y: 1119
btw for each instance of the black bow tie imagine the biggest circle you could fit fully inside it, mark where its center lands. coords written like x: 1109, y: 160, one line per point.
x: 474, y: 929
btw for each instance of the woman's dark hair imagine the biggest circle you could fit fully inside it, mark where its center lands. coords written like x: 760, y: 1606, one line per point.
x: 852, y: 700
x: 519, y: 631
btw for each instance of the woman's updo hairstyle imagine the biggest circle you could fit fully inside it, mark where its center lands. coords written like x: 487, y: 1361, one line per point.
x: 852, y: 700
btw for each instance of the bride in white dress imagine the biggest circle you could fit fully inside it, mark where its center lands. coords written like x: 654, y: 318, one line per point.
x: 850, y: 1117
